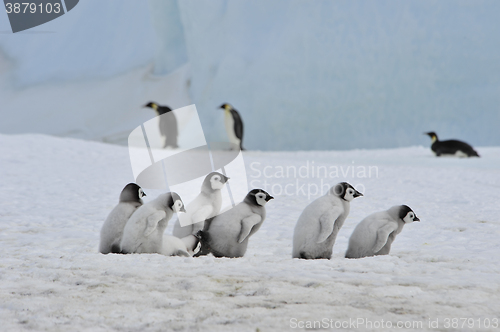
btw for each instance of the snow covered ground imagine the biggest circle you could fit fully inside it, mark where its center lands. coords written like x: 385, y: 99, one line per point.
x: 55, y: 194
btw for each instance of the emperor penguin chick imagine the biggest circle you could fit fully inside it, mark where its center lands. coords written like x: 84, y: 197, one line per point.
x: 375, y: 234
x: 206, y: 205
x: 143, y: 232
x: 320, y: 222
x: 112, y: 229
x: 227, y: 234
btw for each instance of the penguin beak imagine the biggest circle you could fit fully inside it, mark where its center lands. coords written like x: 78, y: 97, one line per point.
x: 226, y: 179
x: 268, y: 198
x: 416, y: 219
x: 143, y: 194
x: 183, y: 209
x: 357, y: 194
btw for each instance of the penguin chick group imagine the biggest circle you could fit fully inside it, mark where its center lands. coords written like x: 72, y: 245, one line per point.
x: 134, y: 227
x: 320, y: 222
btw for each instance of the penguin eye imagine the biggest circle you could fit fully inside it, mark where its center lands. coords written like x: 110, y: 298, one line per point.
x: 411, y: 215
x: 216, y: 178
x: 350, y: 191
x: 141, y: 193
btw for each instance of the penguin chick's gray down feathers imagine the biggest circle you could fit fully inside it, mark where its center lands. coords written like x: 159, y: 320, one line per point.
x: 112, y: 229
x: 143, y: 232
x: 205, y: 206
x: 227, y: 234
x: 375, y: 234
x: 320, y: 222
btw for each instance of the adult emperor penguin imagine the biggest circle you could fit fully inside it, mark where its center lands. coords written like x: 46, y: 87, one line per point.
x: 320, y: 222
x: 168, y: 124
x: 227, y: 234
x: 206, y: 205
x: 112, y: 229
x: 234, y: 125
x: 451, y: 147
x: 143, y: 232
x: 375, y: 234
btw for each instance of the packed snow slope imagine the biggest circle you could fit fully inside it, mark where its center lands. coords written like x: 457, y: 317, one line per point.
x: 55, y: 194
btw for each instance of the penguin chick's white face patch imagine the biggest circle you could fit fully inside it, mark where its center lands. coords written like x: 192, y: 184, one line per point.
x: 409, y: 218
x: 261, y: 199
x: 178, y: 206
x: 216, y: 183
x: 141, y: 193
x: 349, y: 194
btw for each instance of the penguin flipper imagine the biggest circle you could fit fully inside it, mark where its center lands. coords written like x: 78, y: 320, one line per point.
x: 153, y: 221
x: 382, y: 236
x: 326, y: 223
x: 238, y: 124
x: 247, y: 225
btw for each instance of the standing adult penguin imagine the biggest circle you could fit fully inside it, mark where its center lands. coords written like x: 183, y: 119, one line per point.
x: 112, y: 229
x: 227, y: 234
x: 206, y: 205
x: 451, y: 147
x: 375, y: 234
x: 143, y: 232
x: 320, y: 222
x: 233, y: 124
x: 168, y: 124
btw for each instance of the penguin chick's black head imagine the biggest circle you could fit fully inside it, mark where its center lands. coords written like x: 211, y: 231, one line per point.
x: 175, y: 203
x: 432, y: 135
x: 345, y: 191
x: 132, y: 193
x: 211, y: 179
x: 258, y: 197
x: 225, y: 106
x: 403, y: 212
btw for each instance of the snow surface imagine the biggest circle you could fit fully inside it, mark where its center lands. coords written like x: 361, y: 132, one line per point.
x: 55, y: 194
